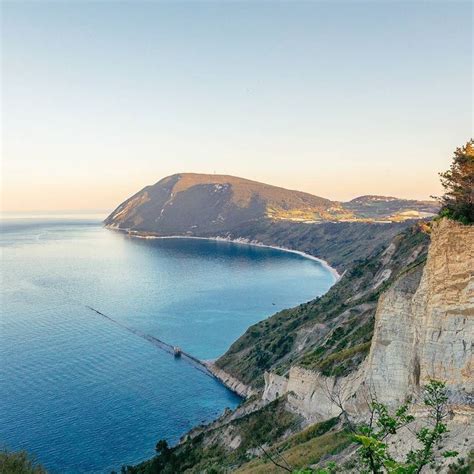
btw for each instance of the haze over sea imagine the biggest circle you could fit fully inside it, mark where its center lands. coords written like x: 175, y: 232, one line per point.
x: 85, y: 395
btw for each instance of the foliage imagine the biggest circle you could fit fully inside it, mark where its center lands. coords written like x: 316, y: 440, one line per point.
x: 462, y: 466
x: 255, y: 430
x: 341, y: 356
x: 330, y: 468
x: 19, y: 463
x: 373, y: 452
x: 345, y: 314
x: 313, y: 431
x: 458, y: 201
x: 302, y: 454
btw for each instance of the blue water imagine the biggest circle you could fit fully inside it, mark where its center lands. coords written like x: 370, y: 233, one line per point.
x: 85, y: 395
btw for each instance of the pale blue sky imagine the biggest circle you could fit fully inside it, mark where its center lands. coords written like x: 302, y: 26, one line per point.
x: 335, y: 98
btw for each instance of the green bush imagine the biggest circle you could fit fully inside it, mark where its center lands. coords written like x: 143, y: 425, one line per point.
x: 457, y: 203
x: 19, y: 463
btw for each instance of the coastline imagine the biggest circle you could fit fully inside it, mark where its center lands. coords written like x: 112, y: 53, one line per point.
x: 233, y: 384
x: 241, y: 240
x: 229, y: 381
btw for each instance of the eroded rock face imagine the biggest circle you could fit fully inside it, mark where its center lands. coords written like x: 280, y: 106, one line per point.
x: 444, y: 308
x: 230, y: 382
x: 424, y: 329
x: 391, y: 368
x: 310, y: 394
x: 428, y: 333
x: 275, y: 386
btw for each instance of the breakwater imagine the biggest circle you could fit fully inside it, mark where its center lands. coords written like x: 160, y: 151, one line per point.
x: 207, y: 368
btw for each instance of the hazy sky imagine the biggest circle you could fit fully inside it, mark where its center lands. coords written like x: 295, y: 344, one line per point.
x: 338, y: 99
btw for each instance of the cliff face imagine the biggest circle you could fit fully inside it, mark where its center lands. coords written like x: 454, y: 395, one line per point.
x: 421, y: 296
x: 331, y: 334
x: 424, y: 328
x: 237, y: 386
x: 428, y: 333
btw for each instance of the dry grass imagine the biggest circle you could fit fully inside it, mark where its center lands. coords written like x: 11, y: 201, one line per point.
x: 300, y: 455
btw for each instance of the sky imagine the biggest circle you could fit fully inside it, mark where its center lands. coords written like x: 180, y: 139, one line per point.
x: 339, y: 99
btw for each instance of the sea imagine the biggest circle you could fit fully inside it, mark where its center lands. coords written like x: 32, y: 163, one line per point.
x: 84, y: 394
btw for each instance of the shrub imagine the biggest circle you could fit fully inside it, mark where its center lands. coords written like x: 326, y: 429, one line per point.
x: 458, y: 201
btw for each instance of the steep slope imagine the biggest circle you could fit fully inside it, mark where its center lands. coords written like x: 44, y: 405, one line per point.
x: 428, y: 333
x: 424, y: 328
x: 420, y: 298
x: 333, y: 332
x: 341, y: 244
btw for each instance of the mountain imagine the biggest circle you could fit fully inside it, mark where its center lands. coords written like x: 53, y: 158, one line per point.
x: 197, y: 202
x: 194, y: 204
x: 400, y: 314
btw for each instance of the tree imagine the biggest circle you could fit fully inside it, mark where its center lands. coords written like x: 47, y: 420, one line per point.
x: 373, y: 452
x: 373, y: 455
x: 162, y: 447
x: 19, y: 463
x: 458, y: 182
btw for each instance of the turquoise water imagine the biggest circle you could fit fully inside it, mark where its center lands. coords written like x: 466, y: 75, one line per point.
x: 85, y: 395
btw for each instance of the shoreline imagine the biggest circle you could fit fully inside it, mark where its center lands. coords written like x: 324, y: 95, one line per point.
x: 231, y: 383
x: 243, y: 241
x: 226, y: 379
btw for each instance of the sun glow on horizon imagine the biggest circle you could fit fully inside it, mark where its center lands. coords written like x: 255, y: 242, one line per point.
x: 338, y: 100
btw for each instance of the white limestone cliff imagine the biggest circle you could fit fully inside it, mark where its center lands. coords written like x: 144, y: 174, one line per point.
x: 230, y: 382
x: 428, y: 334
x: 424, y: 328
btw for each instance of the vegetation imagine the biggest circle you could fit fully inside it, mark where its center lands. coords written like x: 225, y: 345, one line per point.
x: 260, y: 431
x: 374, y: 456
x: 334, y: 364
x: 200, y: 205
x: 458, y: 182
x: 337, y: 330
x: 462, y: 466
x: 303, y: 454
x: 339, y: 243
x: 374, y: 453
x: 209, y: 452
x: 344, y: 318
x: 19, y: 463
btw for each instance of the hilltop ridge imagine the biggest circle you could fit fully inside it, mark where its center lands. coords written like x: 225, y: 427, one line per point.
x: 193, y: 204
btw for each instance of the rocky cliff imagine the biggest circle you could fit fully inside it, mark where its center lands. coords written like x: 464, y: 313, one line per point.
x: 330, y: 334
x: 428, y: 333
x: 424, y: 328
x: 412, y: 303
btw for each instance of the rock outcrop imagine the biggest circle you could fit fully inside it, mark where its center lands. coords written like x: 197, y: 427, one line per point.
x: 428, y: 333
x: 424, y: 329
x: 421, y: 296
x: 230, y: 382
x: 333, y: 333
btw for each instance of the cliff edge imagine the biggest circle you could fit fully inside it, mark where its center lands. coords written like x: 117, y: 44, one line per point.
x: 394, y: 321
x: 424, y: 328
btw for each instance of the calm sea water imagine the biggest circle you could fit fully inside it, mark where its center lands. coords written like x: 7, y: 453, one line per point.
x: 85, y: 395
